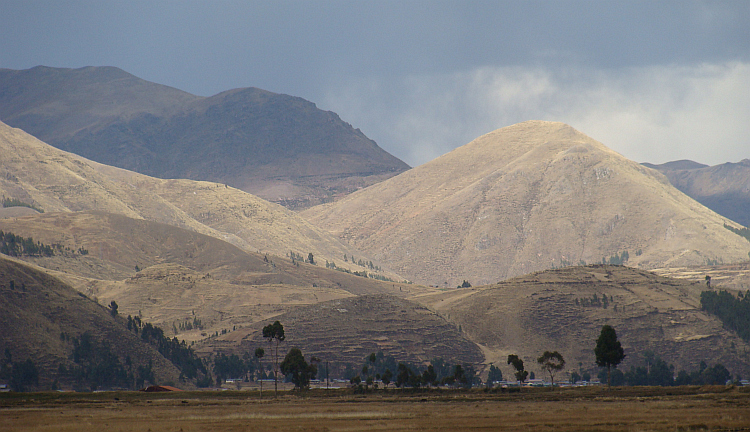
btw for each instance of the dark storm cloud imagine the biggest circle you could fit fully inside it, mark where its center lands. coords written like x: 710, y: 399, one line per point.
x: 424, y: 77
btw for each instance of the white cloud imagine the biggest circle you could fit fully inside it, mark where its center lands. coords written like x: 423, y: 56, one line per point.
x: 654, y: 114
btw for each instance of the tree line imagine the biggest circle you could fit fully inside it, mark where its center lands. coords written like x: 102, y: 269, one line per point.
x: 17, y: 246
x: 174, y: 350
x: 734, y: 312
x: 14, y: 202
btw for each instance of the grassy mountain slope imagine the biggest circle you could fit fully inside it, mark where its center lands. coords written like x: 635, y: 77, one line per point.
x: 546, y: 311
x: 182, y: 275
x: 279, y: 147
x: 35, y: 309
x: 523, y: 198
x: 723, y: 188
x: 56, y: 181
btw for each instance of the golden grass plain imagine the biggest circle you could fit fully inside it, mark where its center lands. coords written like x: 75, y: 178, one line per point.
x: 574, y: 409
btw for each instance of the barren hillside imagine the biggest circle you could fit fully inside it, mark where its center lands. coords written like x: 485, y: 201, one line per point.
x: 557, y: 310
x: 52, y: 180
x: 527, y: 197
x: 171, y: 276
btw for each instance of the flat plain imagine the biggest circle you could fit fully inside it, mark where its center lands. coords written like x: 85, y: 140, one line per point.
x: 571, y: 409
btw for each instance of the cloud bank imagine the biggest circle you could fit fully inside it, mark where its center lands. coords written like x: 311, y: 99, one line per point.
x: 648, y: 114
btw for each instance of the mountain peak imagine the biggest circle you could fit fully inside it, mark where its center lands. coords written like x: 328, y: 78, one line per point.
x: 523, y: 198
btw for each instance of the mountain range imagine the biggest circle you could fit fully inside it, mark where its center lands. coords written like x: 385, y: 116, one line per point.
x: 537, y: 216
x: 281, y: 148
x: 723, y: 188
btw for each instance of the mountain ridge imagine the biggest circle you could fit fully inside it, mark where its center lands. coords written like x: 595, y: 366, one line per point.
x: 724, y: 188
x: 282, y: 148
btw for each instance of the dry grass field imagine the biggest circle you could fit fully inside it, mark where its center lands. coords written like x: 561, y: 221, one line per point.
x: 580, y: 409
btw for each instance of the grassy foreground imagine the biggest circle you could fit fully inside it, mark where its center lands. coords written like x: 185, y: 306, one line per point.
x: 576, y: 409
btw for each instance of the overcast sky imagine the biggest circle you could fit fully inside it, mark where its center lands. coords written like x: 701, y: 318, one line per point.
x: 653, y: 80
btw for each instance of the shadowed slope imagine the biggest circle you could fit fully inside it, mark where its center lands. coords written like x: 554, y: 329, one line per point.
x: 36, y: 309
x: 279, y: 147
x: 723, y: 188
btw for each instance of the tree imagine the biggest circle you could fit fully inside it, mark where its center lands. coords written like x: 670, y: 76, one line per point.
x: 310, y: 258
x: 301, y: 372
x: 495, y: 374
x: 402, y: 375
x: 113, y: 308
x: 459, y: 375
x: 259, y: 353
x: 521, y: 373
x: 429, y: 376
x: 23, y: 374
x: 386, y: 377
x: 274, y: 333
x: 574, y: 377
x: 551, y: 362
x: 608, y: 350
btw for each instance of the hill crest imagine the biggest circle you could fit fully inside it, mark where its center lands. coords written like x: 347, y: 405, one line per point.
x: 523, y: 198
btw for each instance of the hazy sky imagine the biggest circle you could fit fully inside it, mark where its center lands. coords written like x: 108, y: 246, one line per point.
x: 654, y: 80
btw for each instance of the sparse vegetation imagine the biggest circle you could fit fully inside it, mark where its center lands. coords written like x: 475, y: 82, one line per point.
x: 575, y: 409
x: 595, y: 301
